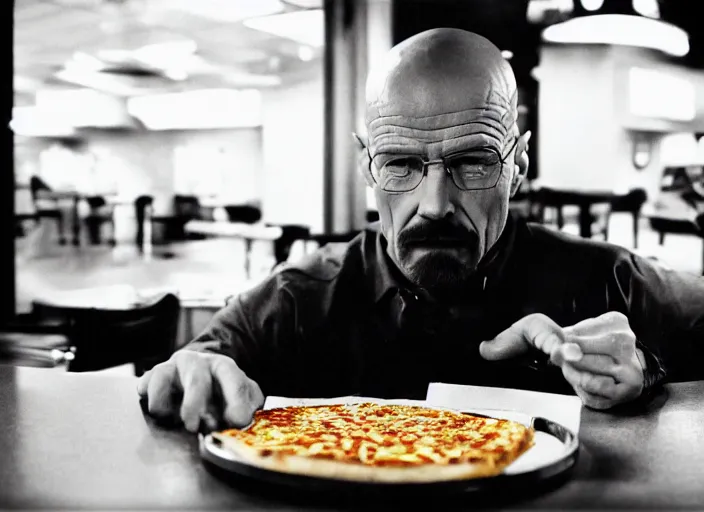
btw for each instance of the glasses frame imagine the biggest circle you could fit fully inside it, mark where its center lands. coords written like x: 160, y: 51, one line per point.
x: 427, y: 163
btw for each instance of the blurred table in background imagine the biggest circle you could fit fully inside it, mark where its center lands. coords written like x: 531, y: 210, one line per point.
x: 247, y: 232
x: 203, y: 275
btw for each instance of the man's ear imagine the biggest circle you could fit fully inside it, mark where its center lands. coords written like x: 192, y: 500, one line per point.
x: 363, y: 160
x: 521, y: 162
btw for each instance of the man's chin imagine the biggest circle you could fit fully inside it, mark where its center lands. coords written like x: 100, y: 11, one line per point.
x: 442, y: 271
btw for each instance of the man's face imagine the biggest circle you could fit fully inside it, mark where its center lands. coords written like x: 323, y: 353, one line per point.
x: 438, y: 233
x: 438, y: 94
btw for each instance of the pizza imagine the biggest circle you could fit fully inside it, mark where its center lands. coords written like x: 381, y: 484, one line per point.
x: 378, y: 443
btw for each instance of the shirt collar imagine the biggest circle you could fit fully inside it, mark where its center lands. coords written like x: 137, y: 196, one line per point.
x: 383, y: 276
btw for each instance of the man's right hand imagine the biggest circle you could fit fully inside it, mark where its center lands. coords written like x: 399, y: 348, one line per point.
x: 192, y: 385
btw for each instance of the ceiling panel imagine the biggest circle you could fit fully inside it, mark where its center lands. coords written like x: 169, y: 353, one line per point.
x: 49, y: 32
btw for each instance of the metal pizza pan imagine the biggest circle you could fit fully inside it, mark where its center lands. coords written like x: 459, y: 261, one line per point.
x: 549, y: 462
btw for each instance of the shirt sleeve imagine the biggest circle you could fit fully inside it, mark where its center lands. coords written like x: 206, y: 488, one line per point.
x: 256, y: 329
x: 666, y: 313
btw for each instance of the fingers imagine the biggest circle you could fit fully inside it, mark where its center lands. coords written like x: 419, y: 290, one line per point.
x: 599, y: 385
x: 196, y: 380
x: 161, y: 386
x: 535, y: 330
x: 613, y: 321
x: 599, y: 364
x: 143, y: 383
x: 619, y: 345
x: 241, y: 395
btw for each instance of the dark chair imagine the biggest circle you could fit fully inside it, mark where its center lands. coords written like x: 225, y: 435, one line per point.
x: 245, y: 213
x: 186, y: 209
x: 144, y: 213
x: 101, y: 338
x: 289, y: 235
x: 100, y: 213
x: 37, y: 187
x: 632, y: 203
x: 545, y: 198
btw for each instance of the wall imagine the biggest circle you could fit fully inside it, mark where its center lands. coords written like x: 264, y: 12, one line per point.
x: 577, y: 143
x: 293, y: 152
x: 586, y: 127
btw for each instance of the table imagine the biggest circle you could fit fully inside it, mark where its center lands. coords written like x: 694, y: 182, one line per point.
x: 247, y: 232
x: 81, y: 441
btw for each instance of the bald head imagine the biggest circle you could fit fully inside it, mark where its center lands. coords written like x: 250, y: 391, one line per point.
x: 443, y: 71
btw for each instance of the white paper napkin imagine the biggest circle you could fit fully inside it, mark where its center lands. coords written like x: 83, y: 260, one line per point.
x: 563, y: 409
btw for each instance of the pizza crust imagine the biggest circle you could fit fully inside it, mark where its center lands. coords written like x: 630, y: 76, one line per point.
x: 339, y: 470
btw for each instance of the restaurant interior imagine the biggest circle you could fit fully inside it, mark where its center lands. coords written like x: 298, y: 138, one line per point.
x: 164, y: 156
x: 192, y: 147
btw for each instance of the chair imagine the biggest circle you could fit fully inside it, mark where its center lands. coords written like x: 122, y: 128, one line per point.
x: 632, y: 203
x: 186, y: 209
x: 545, y: 198
x: 47, y: 208
x: 100, y: 213
x: 245, y: 213
x: 100, y: 338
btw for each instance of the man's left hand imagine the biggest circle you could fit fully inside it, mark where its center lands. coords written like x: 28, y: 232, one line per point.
x: 598, y: 356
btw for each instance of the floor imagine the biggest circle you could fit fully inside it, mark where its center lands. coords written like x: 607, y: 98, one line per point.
x: 216, y: 267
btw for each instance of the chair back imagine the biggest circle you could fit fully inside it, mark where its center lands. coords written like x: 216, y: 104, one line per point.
x: 243, y: 213
x: 103, y: 338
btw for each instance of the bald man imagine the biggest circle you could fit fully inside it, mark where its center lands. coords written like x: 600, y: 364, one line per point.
x: 447, y: 287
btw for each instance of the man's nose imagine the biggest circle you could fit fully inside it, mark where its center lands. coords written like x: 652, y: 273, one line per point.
x: 436, y: 191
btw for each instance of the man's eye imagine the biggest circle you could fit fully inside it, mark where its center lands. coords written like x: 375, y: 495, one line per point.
x: 480, y: 158
x: 401, y: 167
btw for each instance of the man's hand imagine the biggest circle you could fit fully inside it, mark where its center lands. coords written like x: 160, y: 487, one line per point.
x: 598, y: 356
x: 192, y: 384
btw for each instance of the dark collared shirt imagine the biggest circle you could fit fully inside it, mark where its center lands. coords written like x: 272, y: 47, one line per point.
x: 344, y: 321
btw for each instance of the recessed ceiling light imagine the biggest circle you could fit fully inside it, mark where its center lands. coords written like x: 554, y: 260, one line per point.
x: 592, y: 5
x: 507, y: 54
x: 620, y: 29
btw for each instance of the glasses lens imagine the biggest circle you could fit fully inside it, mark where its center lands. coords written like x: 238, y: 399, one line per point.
x: 475, y: 170
x: 401, y: 174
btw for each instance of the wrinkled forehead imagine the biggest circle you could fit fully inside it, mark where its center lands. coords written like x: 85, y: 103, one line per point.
x: 435, y: 85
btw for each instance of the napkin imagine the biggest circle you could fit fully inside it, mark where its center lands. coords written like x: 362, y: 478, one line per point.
x: 272, y: 402
x: 563, y: 409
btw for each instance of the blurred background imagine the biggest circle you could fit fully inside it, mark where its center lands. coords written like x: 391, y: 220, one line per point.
x: 187, y: 148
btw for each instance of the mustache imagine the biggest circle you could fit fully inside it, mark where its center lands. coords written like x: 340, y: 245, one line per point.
x: 436, y: 232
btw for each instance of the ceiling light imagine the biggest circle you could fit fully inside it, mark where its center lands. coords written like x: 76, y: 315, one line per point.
x: 592, y: 5
x: 201, y: 109
x: 33, y: 122
x: 84, y: 107
x: 507, y: 54
x: 620, y: 29
x: 306, y: 53
x: 647, y: 8
x: 305, y: 27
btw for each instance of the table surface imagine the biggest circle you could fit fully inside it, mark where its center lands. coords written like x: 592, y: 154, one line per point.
x: 81, y: 441
x: 234, y: 229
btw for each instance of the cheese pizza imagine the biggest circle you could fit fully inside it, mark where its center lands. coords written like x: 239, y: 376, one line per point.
x: 378, y: 443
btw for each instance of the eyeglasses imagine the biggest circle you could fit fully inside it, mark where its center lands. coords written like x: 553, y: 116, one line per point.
x: 479, y: 169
